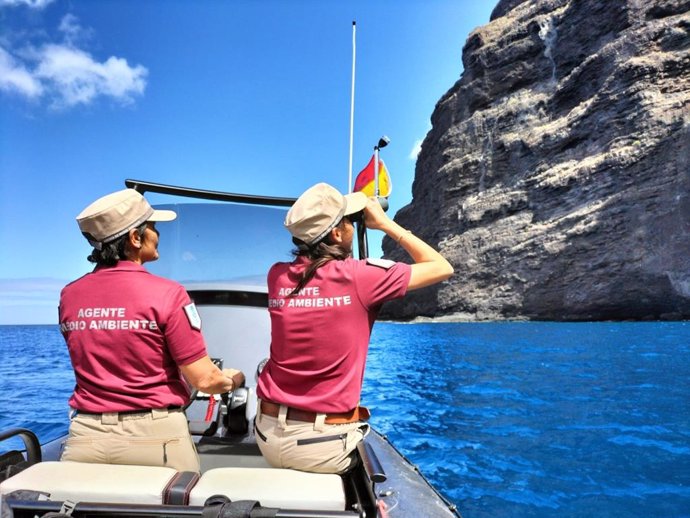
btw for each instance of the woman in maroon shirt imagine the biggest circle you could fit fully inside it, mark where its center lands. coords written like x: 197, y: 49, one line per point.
x: 133, y: 339
x: 323, y: 306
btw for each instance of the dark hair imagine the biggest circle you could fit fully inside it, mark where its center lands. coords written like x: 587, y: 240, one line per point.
x: 114, y: 251
x: 320, y: 253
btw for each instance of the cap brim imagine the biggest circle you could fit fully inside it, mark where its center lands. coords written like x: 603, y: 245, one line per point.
x: 355, y: 202
x: 162, y: 215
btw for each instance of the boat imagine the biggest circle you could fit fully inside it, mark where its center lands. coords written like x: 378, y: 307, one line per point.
x: 220, y: 248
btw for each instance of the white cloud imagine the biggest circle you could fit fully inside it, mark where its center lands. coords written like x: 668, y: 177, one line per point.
x: 416, y: 149
x: 66, y: 75
x: 14, y: 77
x: 76, y: 78
x: 34, y: 4
x: 69, y: 26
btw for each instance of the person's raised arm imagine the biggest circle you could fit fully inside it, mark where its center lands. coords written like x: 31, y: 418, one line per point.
x: 205, y: 376
x: 429, y: 267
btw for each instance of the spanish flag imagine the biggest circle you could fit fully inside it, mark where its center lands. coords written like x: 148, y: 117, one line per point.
x: 365, y: 179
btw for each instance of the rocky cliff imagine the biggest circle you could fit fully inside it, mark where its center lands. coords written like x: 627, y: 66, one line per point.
x: 556, y: 175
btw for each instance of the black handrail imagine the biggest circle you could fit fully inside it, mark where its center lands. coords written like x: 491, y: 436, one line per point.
x: 371, y: 462
x: 190, y: 192
x: 31, y: 443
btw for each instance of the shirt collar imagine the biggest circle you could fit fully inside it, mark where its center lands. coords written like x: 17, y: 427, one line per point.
x: 122, y: 266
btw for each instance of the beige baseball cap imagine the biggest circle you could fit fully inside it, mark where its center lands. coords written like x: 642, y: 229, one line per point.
x: 117, y: 213
x: 319, y: 209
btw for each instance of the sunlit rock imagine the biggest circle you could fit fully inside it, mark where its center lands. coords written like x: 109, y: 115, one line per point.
x: 556, y: 175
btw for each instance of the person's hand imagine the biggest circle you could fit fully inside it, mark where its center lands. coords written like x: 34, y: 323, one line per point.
x: 374, y: 216
x: 237, y: 377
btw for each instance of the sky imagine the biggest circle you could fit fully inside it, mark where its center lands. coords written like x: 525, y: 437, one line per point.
x: 249, y: 96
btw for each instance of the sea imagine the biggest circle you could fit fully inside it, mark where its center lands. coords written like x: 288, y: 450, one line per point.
x: 512, y: 419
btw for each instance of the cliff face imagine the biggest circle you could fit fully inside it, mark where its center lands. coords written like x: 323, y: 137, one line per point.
x: 556, y: 176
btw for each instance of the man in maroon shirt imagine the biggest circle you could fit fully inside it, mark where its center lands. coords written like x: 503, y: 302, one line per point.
x: 133, y: 338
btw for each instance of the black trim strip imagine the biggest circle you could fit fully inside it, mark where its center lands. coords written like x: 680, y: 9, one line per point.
x: 325, y: 438
x: 24, y: 508
x: 258, y: 432
x: 229, y: 298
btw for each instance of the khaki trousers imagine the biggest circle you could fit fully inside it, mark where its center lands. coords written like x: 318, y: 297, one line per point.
x: 155, y: 438
x: 317, y: 447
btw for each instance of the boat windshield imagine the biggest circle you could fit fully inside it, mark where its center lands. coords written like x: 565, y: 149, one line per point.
x: 221, y: 242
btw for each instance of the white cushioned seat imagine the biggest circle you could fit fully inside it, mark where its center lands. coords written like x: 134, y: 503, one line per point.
x: 112, y: 483
x: 100, y: 483
x: 272, y: 487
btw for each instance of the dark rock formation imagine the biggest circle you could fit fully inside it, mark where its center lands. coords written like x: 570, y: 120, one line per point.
x: 556, y: 176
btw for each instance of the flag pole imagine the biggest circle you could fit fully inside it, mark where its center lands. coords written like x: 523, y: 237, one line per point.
x: 352, y: 104
x: 377, y: 190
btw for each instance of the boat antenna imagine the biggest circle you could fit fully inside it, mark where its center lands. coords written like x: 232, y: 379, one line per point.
x: 352, y: 104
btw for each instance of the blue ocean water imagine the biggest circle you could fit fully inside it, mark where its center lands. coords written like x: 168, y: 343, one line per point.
x: 505, y: 419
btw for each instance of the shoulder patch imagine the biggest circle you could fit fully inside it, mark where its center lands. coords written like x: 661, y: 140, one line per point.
x: 193, y: 316
x: 381, y: 263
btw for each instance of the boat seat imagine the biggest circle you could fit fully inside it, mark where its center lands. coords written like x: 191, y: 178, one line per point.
x: 102, y: 483
x: 273, y: 487
x: 123, y: 484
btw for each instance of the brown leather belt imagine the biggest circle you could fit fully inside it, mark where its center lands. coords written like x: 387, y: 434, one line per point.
x: 359, y: 413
